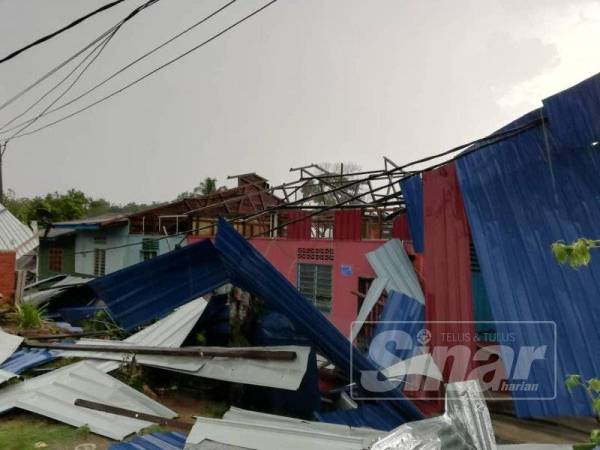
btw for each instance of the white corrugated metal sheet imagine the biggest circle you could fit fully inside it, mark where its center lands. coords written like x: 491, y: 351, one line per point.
x: 170, y: 331
x: 53, y: 395
x: 373, y: 294
x: 8, y: 344
x: 15, y: 235
x: 277, y: 374
x: 391, y: 261
x: 267, y: 436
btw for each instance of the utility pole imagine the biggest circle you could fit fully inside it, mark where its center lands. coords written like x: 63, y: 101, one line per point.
x: 2, y: 151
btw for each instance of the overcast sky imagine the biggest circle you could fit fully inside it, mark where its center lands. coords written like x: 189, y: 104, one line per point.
x: 304, y: 81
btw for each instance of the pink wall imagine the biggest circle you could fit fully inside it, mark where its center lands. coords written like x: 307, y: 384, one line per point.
x: 282, y: 253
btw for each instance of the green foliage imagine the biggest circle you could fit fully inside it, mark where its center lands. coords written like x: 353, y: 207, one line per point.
x: 72, y: 205
x: 101, y: 321
x: 29, y: 316
x: 572, y: 381
x: 592, y: 389
x: 576, y: 254
x: 206, y: 187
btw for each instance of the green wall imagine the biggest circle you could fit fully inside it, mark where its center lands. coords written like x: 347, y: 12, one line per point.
x: 67, y: 243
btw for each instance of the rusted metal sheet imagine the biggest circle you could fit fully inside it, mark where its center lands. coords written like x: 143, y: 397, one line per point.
x: 447, y: 270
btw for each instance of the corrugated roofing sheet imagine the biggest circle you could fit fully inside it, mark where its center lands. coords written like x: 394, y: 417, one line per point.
x: 378, y: 416
x: 373, y: 294
x: 447, y: 269
x: 276, y: 374
x: 170, y: 331
x: 412, y: 190
x: 53, y: 395
x: 251, y: 271
x: 154, y: 441
x: 15, y: 235
x: 401, y: 316
x: 391, y: 261
x: 8, y: 344
x: 347, y: 225
x: 268, y: 436
x: 151, y: 289
x: 521, y: 195
x: 26, y: 359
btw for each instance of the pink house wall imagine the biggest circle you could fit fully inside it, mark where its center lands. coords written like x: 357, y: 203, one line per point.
x: 282, y: 253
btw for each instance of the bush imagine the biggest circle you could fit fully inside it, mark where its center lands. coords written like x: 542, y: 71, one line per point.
x: 29, y: 316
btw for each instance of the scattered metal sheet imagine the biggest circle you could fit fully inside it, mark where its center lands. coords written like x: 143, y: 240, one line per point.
x: 276, y: 374
x: 402, y: 318
x: 369, y: 435
x: 391, y: 261
x: 15, y: 235
x: 267, y: 436
x: 53, y: 395
x: 9, y: 343
x: 417, y: 365
x: 373, y: 294
x: 466, y: 425
x: 169, y: 332
x: 139, y: 294
x: 249, y: 270
x: 154, y: 441
x: 5, y: 376
x: 26, y: 359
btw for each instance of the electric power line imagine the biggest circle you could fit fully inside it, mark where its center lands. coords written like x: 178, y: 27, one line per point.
x: 122, y: 69
x: 59, y: 31
x: 152, y: 72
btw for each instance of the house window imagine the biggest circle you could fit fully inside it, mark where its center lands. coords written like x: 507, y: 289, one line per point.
x: 55, y: 259
x: 99, y: 262
x: 314, y: 282
x: 148, y: 254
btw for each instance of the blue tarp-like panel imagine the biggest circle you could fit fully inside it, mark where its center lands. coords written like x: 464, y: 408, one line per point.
x: 151, y: 289
x: 412, y: 189
x: 521, y: 195
x: 378, y: 416
x: 251, y: 271
x: 402, y: 317
x: 154, y: 441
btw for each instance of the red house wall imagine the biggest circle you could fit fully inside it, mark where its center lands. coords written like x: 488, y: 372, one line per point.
x: 7, y: 275
x: 283, y: 254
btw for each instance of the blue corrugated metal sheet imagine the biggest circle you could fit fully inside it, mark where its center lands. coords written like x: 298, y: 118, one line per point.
x: 379, y: 416
x: 154, y: 441
x: 481, y: 305
x: 251, y: 271
x: 412, y: 190
x: 76, y: 315
x: 521, y: 195
x: 22, y: 360
x: 151, y: 289
x: 401, y: 314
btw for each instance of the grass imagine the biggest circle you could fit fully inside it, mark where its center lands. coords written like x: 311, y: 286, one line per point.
x: 22, y: 432
x: 29, y: 316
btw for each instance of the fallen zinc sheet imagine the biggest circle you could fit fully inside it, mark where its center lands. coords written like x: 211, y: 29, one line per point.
x: 9, y: 343
x: 268, y: 373
x: 149, y: 290
x: 466, y: 425
x: 249, y: 270
x: 254, y: 433
x: 394, y: 272
x: 53, y: 395
x: 155, y: 441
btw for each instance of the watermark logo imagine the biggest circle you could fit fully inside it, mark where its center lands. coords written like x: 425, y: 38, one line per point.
x: 418, y: 359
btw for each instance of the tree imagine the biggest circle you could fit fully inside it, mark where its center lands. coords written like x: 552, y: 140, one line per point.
x: 206, y: 187
x: 338, y: 178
